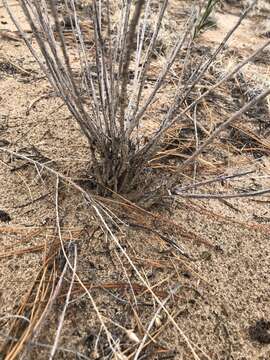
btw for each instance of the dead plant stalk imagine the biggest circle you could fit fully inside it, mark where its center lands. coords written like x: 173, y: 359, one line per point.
x: 116, y: 105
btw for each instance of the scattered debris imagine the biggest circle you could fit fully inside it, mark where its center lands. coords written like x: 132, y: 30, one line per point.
x: 260, y: 331
x: 4, y: 216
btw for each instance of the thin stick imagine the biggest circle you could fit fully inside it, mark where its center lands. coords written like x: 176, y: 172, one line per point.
x: 62, y: 317
x: 196, y: 141
x: 130, y: 48
x: 223, y: 126
x: 47, y: 346
x: 152, y: 322
x: 178, y: 190
x: 225, y: 196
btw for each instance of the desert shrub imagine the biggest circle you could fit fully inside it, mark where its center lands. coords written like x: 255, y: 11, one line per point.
x: 110, y: 96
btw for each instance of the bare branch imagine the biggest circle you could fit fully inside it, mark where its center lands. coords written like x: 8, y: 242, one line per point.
x: 223, y: 126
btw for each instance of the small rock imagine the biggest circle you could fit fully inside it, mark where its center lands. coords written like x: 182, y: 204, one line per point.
x: 4, y: 216
x: 260, y: 331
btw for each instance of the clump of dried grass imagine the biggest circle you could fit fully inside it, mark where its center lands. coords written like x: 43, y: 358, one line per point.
x: 107, y: 98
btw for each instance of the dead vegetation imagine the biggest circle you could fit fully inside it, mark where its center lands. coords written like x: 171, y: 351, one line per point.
x: 129, y: 263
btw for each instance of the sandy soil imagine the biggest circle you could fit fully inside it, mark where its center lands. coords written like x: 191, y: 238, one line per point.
x: 222, y: 304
